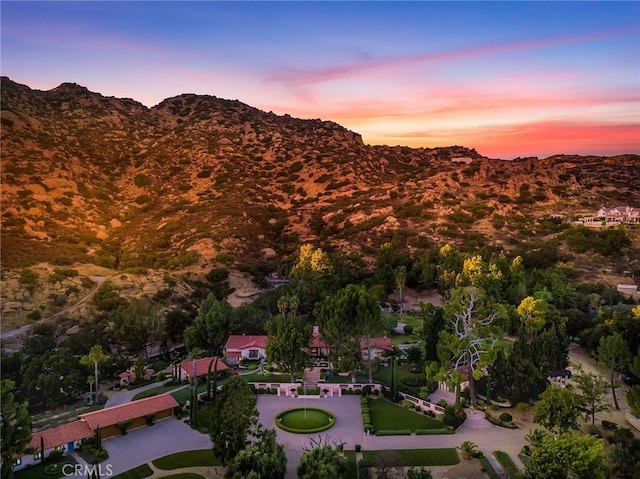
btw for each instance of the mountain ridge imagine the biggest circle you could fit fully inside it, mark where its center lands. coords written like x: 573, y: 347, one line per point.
x: 107, y: 180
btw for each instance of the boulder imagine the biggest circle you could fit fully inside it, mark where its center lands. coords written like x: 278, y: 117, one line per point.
x: 75, y: 329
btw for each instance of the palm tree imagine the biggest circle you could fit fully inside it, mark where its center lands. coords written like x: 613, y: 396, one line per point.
x: 90, y: 381
x: 469, y: 449
x: 95, y: 356
x: 535, y: 437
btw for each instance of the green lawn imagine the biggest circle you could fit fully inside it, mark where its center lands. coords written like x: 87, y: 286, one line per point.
x: 199, y: 457
x: 184, y: 475
x: 419, y: 457
x: 184, y: 394
x: 156, y: 391
x: 391, y: 417
x: 136, y: 473
x: 507, y: 463
x: 37, y: 471
x: 383, y: 375
x: 261, y: 377
x: 412, y: 339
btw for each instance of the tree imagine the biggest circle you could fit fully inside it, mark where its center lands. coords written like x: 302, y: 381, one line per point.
x: 622, y: 462
x: 53, y: 379
x: 614, y: 352
x: 322, y: 462
x: 533, y: 313
x: 234, y: 418
x: 15, y: 426
x: 310, y: 275
x: 264, y: 459
x: 560, y: 457
x: 387, y: 462
x: 558, y: 410
x: 421, y: 473
x: 288, y: 342
x: 347, y: 320
x: 138, y: 323
x: 211, y: 327
x: 592, y: 392
x: 432, y: 323
x: 401, y: 279
x: 469, y: 449
x: 471, y: 342
x: 95, y: 357
x: 91, y: 381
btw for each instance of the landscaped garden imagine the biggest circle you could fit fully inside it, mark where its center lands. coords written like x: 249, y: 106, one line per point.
x: 386, y: 416
x: 419, y: 457
x: 305, y: 420
x: 198, y: 457
x: 139, y: 472
x: 49, y: 469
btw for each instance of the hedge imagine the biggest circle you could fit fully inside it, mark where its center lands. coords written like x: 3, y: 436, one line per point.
x: 427, y: 432
x: 399, y: 432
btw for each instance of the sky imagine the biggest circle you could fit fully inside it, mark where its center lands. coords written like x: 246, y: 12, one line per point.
x: 506, y: 78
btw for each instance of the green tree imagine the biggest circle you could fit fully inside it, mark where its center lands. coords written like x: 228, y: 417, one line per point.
x: 471, y: 342
x: 264, y: 459
x: 94, y: 358
x: 52, y: 379
x: 593, y: 390
x: 559, y: 410
x: 349, y: 319
x: 622, y: 462
x: 560, y: 457
x: 533, y: 313
x: 614, y: 352
x: 432, y: 323
x: 468, y: 449
x: 401, y: 279
x: 321, y: 463
x: 288, y: 342
x: 234, y: 418
x: 633, y: 400
x: 211, y: 327
x: 16, y: 428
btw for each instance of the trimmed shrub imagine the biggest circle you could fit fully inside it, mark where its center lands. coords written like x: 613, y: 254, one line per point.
x: 358, y: 447
x: 399, y: 432
x: 428, y: 432
x: 609, y: 425
x: 506, y: 417
x: 408, y: 329
x: 123, y: 426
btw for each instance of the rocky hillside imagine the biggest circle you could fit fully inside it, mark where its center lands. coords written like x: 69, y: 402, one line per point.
x: 200, y: 180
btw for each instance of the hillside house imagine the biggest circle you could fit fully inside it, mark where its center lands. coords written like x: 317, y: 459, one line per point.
x: 613, y: 216
x: 239, y: 347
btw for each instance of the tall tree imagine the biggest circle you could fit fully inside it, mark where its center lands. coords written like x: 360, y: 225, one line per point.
x: 614, y: 352
x: 288, y: 343
x: 401, y: 279
x: 264, y: 459
x: 211, y: 327
x: 592, y: 391
x: 234, y: 419
x: 432, y: 323
x: 471, y: 342
x: 349, y: 319
x: 533, y: 313
x: 560, y: 457
x: 559, y: 410
x: 321, y: 463
x: 16, y: 428
x: 310, y: 276
x: 94, y: 358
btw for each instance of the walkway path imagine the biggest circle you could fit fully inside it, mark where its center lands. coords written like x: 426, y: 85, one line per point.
x: 127, y: 395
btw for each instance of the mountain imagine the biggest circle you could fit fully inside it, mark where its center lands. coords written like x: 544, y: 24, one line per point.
x: 199, y: 179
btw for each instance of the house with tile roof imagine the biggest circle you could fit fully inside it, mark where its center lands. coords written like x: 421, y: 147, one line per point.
x: 158, y: 407
x: 200, y: 367
x: 239, y: 347
x: 69, y: 436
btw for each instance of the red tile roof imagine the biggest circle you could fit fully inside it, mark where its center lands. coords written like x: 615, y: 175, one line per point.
x: 316, y: 342
x: 378, y: 343
x: 131, y: 410
x: 202, y: 366
x: 243, y: 342
x: 61, y: 435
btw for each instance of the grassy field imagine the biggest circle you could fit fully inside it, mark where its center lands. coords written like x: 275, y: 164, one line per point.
x: 383, y: 375
x: 139, y: 472
x: 418, y: 457
x: 507, y: 463
x: 305, y: 419
x: 184, y: 475
x: 388, y: 416
x: 199, y: 457
x: 261, y: 377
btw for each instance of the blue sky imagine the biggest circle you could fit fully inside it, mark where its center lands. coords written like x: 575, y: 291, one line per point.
x: 507, y: 78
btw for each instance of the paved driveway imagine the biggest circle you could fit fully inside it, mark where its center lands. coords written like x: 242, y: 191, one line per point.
x: 349, y: 430
x: 144, y: 444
